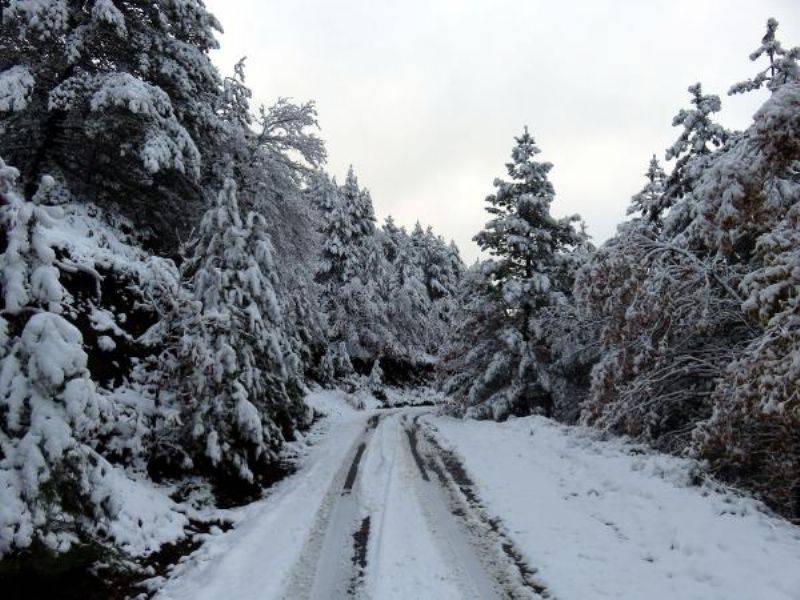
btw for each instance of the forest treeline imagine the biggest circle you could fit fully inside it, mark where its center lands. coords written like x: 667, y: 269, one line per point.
x: 177, y: 267
x: 683, y: 329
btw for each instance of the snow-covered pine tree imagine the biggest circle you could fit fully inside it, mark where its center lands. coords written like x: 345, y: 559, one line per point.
x: 783, y: 64
x: 446, y: 307
x: 409, y: 307
x: 351, y: 272
x: 393, y: 237
x: 129, y: 83
x: 523, y: 238
x: 358, y: 203
x: 526, y: 275
x: 650, y: 202
x: 478, y: 360
x: 440, y: 266
x: 53, y: 492
x: 239, y: 382
x: 699, y: 138
x: 341, y: 238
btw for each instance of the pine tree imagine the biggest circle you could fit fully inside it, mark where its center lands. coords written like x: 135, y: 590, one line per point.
x: 700, y: 136
x: 240, y: 397
x: 409, y: 307
x: 52, y: 484
x: 528, y: 275
x: 523, y: 238
x: 352, y: 272
x: 341, y: 239
x: 358, y: 203
x: 782, y: 69
x: 127, y: 82
x: 650, y: 202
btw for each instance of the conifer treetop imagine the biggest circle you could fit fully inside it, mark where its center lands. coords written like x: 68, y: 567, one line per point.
x: 782, y: 68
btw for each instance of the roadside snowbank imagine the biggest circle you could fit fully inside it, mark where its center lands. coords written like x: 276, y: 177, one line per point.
x: 606, y: 519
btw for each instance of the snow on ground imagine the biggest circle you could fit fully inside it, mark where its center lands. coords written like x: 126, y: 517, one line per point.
x: 421, y: 396
x: 146, y: 517
x: 607, y: 520
x: 366, y: 515
x: 301, y: 541
x: 256, y: 558
x: 406, y: 558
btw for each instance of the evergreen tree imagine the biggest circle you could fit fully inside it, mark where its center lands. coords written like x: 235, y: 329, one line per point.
x: 241, y: 392
x: 650, y: 202
x: 393, y: 239
x: 523, y: 238
x: 352, y: 273
x: 528, y: 274
x: 700, y: 136
x: 127, y: 82
x: 52, y: 483
x: 342, y: 235
x: 409, y: 307
x: 782, y: 68
x: 358, y: 205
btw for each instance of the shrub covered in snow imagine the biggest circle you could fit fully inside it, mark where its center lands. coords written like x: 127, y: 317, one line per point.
x: 697, y: 301
x: 58, y: 489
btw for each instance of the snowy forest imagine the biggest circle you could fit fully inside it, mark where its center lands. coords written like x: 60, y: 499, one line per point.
x: 180, y: 272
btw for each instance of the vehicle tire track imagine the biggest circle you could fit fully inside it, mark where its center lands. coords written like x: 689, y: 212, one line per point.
x: 324, y: 571
x: 497, y: 553
x: 478, y: 556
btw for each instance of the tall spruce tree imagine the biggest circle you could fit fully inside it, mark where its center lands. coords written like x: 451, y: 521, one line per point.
x: 523, y: 239
x: 699, y: 138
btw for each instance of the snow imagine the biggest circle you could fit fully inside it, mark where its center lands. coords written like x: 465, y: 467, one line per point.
x: 610, y: 520
x: 256, y: 558
x: 52, y: 346
x: 16, y: 86
x: 407, y: 559
x: 42, y: 17
x: 594, y: 518
x: 105, y: 11
x: 298, y: 543
x: 145, y: 517
x: 105, y: 343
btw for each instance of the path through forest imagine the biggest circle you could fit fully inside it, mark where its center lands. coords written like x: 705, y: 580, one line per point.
x: 400, y: 503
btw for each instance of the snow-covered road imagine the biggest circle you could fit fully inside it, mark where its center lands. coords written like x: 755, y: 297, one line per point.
x: 403, y: 504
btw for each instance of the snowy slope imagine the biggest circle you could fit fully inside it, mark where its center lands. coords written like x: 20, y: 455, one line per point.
x: 606, y: 520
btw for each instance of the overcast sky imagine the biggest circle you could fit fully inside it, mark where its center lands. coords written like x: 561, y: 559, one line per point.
x: 424, y: 97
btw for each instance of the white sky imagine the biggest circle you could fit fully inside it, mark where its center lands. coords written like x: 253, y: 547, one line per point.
x: 424, y: 97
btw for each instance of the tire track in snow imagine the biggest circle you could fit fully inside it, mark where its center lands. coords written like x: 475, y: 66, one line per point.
x: 325, y: 570
x: 360, y: 540
x: 351, y: 474
x: 498, y: 555
x: 430, y: 494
